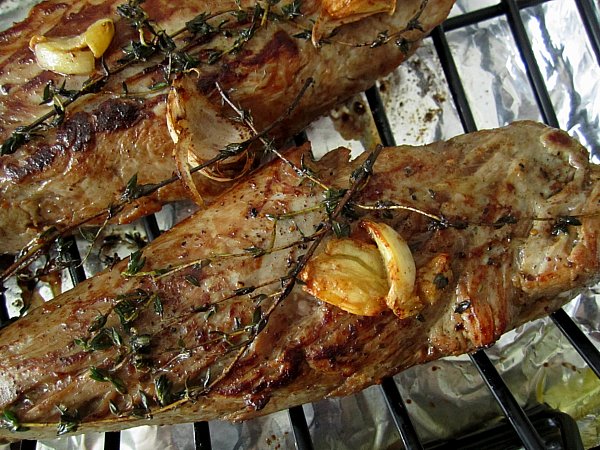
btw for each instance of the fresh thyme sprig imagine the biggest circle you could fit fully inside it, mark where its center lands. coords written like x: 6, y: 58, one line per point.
x: 152, y: 41
x: 165, y: 397
x: 133, y: 191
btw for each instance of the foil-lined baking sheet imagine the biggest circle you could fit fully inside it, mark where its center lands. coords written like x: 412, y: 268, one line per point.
x: 445, y: 398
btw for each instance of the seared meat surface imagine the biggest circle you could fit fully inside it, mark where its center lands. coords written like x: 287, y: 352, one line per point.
x: 194, y: 327
x: 67, y: 173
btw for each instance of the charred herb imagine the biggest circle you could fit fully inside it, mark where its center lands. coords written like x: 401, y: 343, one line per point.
x: 508, y: 219
x: 462, y: 307
x: 561, y: 225
x: 440, y: 281
x: 68, y: 422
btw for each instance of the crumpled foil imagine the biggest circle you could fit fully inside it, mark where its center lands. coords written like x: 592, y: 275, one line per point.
x: 445, y: 398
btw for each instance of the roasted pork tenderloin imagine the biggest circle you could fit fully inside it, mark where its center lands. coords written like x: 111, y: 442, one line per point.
x: 312, y: 279
x: 105, y: 127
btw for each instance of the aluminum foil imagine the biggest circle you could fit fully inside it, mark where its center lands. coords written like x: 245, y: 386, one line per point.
x: 445, y: 398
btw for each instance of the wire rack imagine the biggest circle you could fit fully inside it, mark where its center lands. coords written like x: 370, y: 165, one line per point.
x: 537, y: 429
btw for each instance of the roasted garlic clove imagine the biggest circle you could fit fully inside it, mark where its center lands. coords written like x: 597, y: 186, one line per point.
x: 200, y: 130
x: 340, y: 12
x: 400, y: 269
x: 99, y: 35
x: 351, y: 9
x: 362, y: 278
x: 350, y: 275
x: 73, y: 55
x: 70, y: 62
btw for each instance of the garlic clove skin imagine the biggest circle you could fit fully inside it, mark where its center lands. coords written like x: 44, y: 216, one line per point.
x: 400, y: 268
x: 99, y: 35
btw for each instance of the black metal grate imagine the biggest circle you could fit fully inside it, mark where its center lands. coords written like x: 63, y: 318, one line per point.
x: 528, y: 431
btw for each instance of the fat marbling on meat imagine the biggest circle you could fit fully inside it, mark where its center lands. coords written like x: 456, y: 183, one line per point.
x: 192, y: 327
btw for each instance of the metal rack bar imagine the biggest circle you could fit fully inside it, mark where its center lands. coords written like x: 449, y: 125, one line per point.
x: 473, y: 17
x: 581, y: 343
x: 453, y: 78
x: 578, y: 339
x: 483, y: 14
x: 112, y: 440
x: 392, y: 396
x: 202, y: 436
x: 151, y: 227
x: 202, y: 439
x: 300, y: 428
x: 591, y: 24
x: 396, y: 405
x: 76, y: 270
x: 4, y: 316
x: 533, y: 71
x: 513, y: 412
x: 380, y: 118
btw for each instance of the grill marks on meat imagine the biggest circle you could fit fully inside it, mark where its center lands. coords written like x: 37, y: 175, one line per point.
x: 499, y: 272
x: 263, y: 77
x: 76, y: 134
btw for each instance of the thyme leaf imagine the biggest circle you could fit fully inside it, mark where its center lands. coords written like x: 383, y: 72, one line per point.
x: 440, y: 281
x: 462, y: 307
x: 254, y: 251
x: 102, y: 341
x: 136, y: 263
x: 69, y: 421
x: 192, y: 280
x: 158, y: 306
x: 163, y: 388
x: 292, y: 10
x: 199, y: 25
x: 103, y: 376
x: 133, y: 190
x: 98, y: 322
x: 16, y: 139
x: 10, y: 421
x: 244, y: 291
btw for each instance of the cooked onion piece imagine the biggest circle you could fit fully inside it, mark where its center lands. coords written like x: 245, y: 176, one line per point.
x: 73, y: 55
x: 400, y: 268
x: 350, y: 275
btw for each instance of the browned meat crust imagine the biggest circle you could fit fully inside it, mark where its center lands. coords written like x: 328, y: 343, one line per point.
x: 79, y: 168
x: 517, y: 222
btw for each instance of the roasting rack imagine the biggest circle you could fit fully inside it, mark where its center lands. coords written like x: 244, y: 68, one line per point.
x: 532, y: 429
